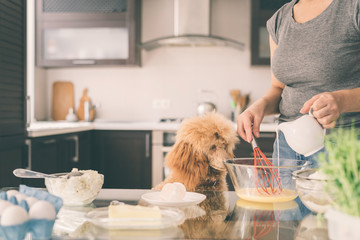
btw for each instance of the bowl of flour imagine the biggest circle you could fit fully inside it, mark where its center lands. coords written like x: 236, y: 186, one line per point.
x: 78, y: 188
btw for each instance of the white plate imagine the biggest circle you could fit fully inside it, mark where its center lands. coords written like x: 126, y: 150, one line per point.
x: 170, y: 217
x: 190, y: 199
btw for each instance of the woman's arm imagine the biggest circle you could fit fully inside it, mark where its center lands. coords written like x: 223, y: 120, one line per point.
x: 249, y: 121
x: 328, y: 106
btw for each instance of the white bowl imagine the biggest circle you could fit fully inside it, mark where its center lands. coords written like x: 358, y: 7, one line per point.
x: 342, y: 225
x: 76, y: 190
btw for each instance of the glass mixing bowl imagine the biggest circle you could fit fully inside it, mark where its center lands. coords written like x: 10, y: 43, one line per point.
x: 254, y: 183
x: 310, y: 188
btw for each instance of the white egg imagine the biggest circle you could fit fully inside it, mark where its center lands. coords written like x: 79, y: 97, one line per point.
x: 14, y: 215
x: 20, y: 197
x: 181, y: 188
x: 11, y: 193
x: 30, y: 201
x: 172, y: 192
x: 42, y: 210
x: 4, y: 205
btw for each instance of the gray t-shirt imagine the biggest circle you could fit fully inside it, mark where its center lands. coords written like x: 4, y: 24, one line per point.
x: 321, y: 55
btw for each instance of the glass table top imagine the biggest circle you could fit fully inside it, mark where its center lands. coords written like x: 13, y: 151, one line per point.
x: 222, y: 215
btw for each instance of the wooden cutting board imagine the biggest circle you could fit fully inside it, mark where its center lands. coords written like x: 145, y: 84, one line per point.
x: 62, y: 99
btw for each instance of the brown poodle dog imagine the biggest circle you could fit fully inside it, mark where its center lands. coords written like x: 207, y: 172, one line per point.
x: 196, y: 159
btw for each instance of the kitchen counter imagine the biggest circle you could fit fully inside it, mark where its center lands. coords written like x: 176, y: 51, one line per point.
x: 222, y: 215
x: 40, y: 129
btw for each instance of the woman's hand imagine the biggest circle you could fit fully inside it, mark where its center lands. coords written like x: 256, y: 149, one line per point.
x: 249, y: 121
x: 326, y: 108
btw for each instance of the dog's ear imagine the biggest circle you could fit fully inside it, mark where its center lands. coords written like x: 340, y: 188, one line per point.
x: 187, y: 164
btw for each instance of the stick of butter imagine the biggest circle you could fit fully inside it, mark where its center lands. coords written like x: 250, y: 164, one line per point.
x: 122, y: 210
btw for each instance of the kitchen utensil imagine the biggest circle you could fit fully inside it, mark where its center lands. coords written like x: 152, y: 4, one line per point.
x: 235, y: 94
x: 26, y: 173
x: 206, y: 102
x: 267, y: 180
x: 245, y: 101
x: 259, y: 219
x: 304, y: 135
x: 85, y: 110
x: 62, y: 99
x: 243, y: 175
x: 264, y: 223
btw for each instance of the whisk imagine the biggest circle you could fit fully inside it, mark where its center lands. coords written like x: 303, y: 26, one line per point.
x: 264, y: 223
x: 267, y: 178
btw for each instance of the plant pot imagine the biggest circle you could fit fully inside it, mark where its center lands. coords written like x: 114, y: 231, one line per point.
x: 342, y: 225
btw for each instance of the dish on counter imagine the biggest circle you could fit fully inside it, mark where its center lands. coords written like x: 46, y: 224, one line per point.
x: 169, y: 217
x: 190, y: 199
x: 78, y: 190
x: 310, y: 185
x: 251, y: 180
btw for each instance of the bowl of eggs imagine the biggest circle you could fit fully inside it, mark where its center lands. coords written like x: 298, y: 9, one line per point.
x: 77, y: 188
x: 267, y: 183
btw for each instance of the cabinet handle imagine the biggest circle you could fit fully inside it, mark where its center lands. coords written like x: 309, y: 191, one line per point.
x: 28, y: 111
x: 267, y: 135
x: 83, y: 62
x: 28, y: 144
x: 76, y: 140
x: 147, y: 145
x: 49, y: 141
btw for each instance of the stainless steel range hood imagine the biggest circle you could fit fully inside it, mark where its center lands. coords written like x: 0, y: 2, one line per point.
x: 182, y: 23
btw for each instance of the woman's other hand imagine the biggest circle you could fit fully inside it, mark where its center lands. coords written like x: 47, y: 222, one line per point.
x: 326, y: 108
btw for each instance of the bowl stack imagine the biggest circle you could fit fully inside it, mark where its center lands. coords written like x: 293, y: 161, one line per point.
x: 310, y: 188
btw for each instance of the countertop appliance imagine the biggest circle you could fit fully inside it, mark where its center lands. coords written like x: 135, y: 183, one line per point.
x: 205, y: 107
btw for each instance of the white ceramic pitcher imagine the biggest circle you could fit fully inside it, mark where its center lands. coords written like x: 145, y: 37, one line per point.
x: 304, y: 135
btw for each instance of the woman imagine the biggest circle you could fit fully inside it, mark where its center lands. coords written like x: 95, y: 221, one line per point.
x: 315, y: 63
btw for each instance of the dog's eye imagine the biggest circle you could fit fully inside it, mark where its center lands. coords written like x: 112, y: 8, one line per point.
x: 213, y: 147
x: 217, y: 135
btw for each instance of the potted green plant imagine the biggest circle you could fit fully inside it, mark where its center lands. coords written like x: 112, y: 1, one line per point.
x: 341, y: 163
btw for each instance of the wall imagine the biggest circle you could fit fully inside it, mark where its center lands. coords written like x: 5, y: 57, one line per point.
x: 177, y: 73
